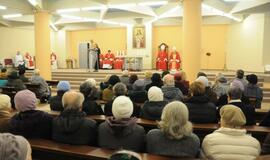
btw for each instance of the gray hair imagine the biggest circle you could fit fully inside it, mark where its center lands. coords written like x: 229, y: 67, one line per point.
x: 72, y: 100
x: 120, y: 89
x: 174, y: 121
x: 235, y: 92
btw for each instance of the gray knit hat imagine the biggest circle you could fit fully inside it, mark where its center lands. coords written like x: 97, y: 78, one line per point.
x: 13, y: 147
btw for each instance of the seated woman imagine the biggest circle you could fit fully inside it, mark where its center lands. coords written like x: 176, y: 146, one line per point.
x: 147, y: 78
x: 201, y: 110
x: 107, y: 93
x: 56, y: 101
x: 174, y: 136
x: 156, y: 81
x: 208, y: 90
x: 71, y: 126
x: 180, y: 83
x: 15, y: 81
x: 229, y: 141
x: 152, y: 108
x: 132, y: 79
x: 44, y: 92
x: 252, y: 90
x: 171, y: 93
x: 138, y: 94
x: 120, y: 89
x: 90, y: 106
x: 14, y: 147
x: 29, y: 122
x: 5, y: 115
x: 121, y: 130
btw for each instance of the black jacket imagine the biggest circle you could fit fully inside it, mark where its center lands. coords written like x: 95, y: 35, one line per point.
x: 16, y: 83
x: 157, y: 84
x: 73, y: 128
x: 201, y: 110
x: 121, y: 134
x: 56, y: 102
x: 31, y: 124
x: 138, y: 96
x: 90, y: 107
x: 248, y: 111
x: 152, y: 110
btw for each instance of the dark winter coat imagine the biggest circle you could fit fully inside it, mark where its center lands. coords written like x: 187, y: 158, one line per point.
x: 56, y: 101
x: 152, y: 110
x: 172, y: 93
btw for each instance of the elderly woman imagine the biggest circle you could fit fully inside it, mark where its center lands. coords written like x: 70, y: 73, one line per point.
x: 181, y: 83
x: 120, y: 89
x: 171, y: 93
x: 125, y: 77
x: 252, y: 90
x: 29, y: 122
x: 14, y: 147
x: 229, y: 141
x: 152, y: 108
x: 221, y: 86
x: 156, y: 81
x: 89, y: 91
x: 201, y: 110
x: 138, y: 94
x: 132, y: 79
x: 71, y: 126
x: 208, y: 90
x: 56, y: 101
x: 174, y: 136
x: 107, y: 93
x: 121, y: 130
x: 147, y: 79
x: 5, y: 115
x: 44, y: 92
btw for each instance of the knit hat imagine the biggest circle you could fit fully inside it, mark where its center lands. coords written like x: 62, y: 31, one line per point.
x: 4, y: 102
x: 63, y: 86
x: 168, y: 80
x: 122, y: 107
x: 232, y: 115
x: 204, y: 80
x: 138, y: 85
x: 13, y: 147
x: 25, y: 100
x: 155, y: 94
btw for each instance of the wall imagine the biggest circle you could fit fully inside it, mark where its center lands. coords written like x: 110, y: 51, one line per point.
x: 266, y: 46
x: 59, y: 47
x: 245, y: 44
x: 107, y: 38
x: 213, y: 41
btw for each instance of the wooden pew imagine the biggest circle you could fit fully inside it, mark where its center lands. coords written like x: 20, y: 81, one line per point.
x: 260, y: 114
x: 11, y: 92
x: 46, y: 149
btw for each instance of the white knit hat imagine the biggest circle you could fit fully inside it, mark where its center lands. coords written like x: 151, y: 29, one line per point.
x: 204, y: 80
x: 155, y: 94
x: 4, y: 101
x: 122, y: 107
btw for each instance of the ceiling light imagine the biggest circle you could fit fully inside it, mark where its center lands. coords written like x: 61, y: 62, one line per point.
x: 156, y: 3
x: 70, y: 17
x: 68, y: 10
x: 94, y: 8
x: 33, y: 2
x: 53, y: 27
x: 11, y: 16
x: 127, y: 5
x: 3, y: 7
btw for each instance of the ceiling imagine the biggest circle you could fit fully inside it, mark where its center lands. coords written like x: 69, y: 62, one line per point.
x: 81, y: 14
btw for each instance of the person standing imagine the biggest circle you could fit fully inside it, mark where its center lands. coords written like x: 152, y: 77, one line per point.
x: 97, y: 50
x: 92, y: 55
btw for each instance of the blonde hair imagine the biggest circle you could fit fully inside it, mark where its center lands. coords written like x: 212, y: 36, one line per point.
x: 183, y: 75
x: 107, y: 77
x: 72, y: 100
x: 168, y: 80
x: 174, y: 121
x: 197, y: 88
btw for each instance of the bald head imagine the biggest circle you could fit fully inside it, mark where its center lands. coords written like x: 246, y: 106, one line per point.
x: 72, y: 100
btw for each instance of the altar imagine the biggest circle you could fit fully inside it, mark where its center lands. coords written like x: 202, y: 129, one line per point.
x: 132, y: 63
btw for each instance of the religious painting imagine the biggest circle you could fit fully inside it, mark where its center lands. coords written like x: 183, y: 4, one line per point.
x: 138, y: 37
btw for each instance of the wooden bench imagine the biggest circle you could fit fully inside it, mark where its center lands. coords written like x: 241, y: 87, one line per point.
x: 11, y: 92
x: 46, y: 149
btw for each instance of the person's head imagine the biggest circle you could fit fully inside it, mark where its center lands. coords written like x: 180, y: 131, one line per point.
x: 168, y: 80
x: 122, y: 107
x: 125, y: 155
x: 63, y: 86
x: 240, y: 74
x: 174, y: 121
x: 72, y: 100
x: 25, y: 100
x: 197, y: 88
x: 13, y: 75
x: 252, y: 79
x: 203, y: 80
x: 125, y: 73
x: 5, y: 104
x: 107, y: 78
x: 36, y: 72
x: 113, y: 80
x: 3, y: 70
x: 138, y: 85
x: 231, y: 116
x: 119, y: 89
x: 155, y: 94
x: 156, y: 78
x: 234, y: 93
x: 91, y: 82
x: 177, y: 77
x: 148, y: 74
x: 164, y: 73
x: 21, y: 71
x: 201, y: 74
x: 221, y: 78
x: 237, y: 84
x: 95, y: 45
x: 109, y: 51
x: 86, y: 89
x: 14, y: 147
x: 133, y: 78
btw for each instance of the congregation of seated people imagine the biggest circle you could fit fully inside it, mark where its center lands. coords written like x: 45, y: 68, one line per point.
x: 167, y: 98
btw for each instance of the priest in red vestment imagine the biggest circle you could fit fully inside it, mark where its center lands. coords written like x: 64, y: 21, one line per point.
x: 162, y: 58
x: 29, y: 61
x: 175, y: 60
x: 108, y: 60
